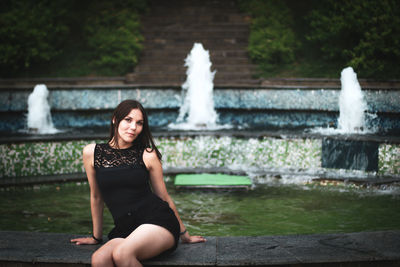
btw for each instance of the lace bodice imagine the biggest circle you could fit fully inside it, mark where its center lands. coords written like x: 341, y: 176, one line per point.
x: 122, y: 177
x: 107, y: 157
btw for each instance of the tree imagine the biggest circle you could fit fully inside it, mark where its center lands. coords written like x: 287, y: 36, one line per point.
x: 363, y: 33
x: 272, y: 41
x: 31, y: 31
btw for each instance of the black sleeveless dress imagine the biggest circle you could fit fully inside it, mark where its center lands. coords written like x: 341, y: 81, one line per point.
x: 125, y: 187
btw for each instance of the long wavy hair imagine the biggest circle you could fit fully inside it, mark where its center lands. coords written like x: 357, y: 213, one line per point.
x: 145, y: 139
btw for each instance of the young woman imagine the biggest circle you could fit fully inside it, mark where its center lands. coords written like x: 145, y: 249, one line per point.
x: 126, y: 174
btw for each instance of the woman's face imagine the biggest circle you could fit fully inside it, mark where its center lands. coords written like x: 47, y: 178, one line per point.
x: 130, y: 127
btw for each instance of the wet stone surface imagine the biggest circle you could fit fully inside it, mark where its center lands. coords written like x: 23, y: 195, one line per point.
x: 348, y: 154
x: 360, y: 249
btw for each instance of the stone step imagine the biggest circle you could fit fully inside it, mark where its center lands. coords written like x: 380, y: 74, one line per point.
x: 204, y: 32
x: 187, y: 5
x: 173, y: 57
x: 206, y: 13
x: 209, y: 32
x: 379, y: 248
x: 178, y: 64
x: 187, y: 43
x: 175, y: 61
x: 184, y: 51
x: 168, y: 26
x: 177, y: 42
x: 180, y: 67
x: 189, y: 12
x: 220, y: 73
x: 178, y: 83
x: 170, y: 29
x: 180, y: 79
x: 194, y: 20
x: 182, y: 13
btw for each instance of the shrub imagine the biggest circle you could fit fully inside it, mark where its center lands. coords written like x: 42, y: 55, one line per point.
x: 114, y: 39
x: 272, y: 41
x: 31, y: 32
x: 363, y: 33
x: 65, y: 37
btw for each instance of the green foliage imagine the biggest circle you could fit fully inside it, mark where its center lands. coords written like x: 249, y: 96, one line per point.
x: 69, y: 37
x: 113, y: 38
x: 31, y: 31
x: 363, y: 33
x: 272, y: 41
x: 317, y: 38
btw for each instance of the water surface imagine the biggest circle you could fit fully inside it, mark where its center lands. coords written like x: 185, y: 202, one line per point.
x: 264, y: 210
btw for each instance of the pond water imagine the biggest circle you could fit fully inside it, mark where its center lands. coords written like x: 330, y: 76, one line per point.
x: 263, y: 210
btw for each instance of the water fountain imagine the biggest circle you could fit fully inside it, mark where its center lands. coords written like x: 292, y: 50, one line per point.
x: 39, y: 117
x: 352, y: 105
x: 197, y: 110
x: 343, y: 153
x: 352, y: 108
x: 268, y: 157
x: 263, y: 153
x: 283, y: 151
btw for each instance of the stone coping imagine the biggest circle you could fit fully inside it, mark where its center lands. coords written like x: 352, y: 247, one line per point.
x: 367, y: 178
x: 293, y: 100
x: 76, y: 82
x: 380, y: 248
x: 102, y: 133
x: 300, y: 86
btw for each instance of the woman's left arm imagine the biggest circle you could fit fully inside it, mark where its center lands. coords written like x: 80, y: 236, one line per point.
x: 154, y: 166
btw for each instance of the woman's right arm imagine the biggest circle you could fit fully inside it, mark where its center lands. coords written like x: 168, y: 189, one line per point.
x: 96, y: 201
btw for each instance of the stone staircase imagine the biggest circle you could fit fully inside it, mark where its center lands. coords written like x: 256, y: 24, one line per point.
x: 172, y: 27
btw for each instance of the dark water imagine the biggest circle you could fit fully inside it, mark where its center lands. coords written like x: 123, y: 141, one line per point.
x: 265, y: 210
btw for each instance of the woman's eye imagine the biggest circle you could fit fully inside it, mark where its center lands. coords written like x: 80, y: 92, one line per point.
x: 128, y: 119
x: 140, y: 123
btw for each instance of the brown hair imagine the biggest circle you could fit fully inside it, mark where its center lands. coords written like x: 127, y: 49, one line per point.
x: 145, y: 139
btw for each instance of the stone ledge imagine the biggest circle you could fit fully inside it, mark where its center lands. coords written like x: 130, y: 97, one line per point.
x: 352, y: 178
x: 291, y: 98
x: 381, y: 248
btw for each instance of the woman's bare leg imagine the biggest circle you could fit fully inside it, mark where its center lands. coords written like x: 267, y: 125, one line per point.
x: 147, y: 241
x: 103, y: 256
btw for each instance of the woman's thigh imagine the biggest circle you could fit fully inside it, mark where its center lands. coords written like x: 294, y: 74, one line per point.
x: 147, y: 241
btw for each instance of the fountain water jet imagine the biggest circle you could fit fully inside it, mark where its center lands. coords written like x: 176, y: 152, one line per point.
x: 352, y: 105
x: 350, y: 154
x: 39, y: 117
x: 352, y: 108
x: 198, y: 104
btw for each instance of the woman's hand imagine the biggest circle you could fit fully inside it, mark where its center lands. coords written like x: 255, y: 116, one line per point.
x: 186, y: 238
x: 84, y: 241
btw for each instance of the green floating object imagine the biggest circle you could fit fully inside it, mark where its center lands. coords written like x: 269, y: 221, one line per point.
x: 206, y: 180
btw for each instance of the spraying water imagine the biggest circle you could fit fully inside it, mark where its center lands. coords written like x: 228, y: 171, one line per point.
x: 39, y: 117
x: 352, y: 105
x: 352, y: 108
x: 197, y: 111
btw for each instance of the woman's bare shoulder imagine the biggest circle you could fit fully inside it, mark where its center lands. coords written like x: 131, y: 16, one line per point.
x: 150, y: 155
x: 150, y: 158
x: 88, y: 150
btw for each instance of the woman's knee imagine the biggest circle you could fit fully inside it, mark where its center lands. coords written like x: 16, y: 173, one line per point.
x: 99, y: 258
x: 103, y: 256
x: 122, y: 254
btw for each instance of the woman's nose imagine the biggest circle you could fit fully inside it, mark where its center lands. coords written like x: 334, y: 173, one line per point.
x: 133, y: 125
